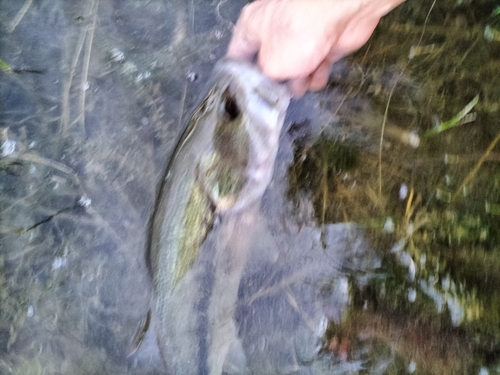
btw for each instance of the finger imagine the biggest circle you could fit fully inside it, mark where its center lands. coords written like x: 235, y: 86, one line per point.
x: 298, y: 86
x: 245, y: 42
x: 242, y: 48
x: 319, y: 78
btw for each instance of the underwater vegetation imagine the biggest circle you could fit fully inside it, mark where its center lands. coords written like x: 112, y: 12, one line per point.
x: 431, y: 210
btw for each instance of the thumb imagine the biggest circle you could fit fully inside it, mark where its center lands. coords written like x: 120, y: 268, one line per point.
x: 245, y: 42
x: 242, y: 48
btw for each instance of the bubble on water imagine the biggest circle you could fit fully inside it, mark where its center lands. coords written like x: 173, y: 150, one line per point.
x: 423, y: 259
x: 322, y: 326
x: 129, y: 68
x: 58, y: 263
x: 412, y: 294
x: 8, y: 147
x: 456, y: 309
x: 410, y: 229
x: 30, y: 311
x: 412, y: 367
x: 116, y: 55
x: 445, y: 283
x: 414, y: 139
x: 448, y: 180
x: 192, y: 76
x: 389, y: 225
x: 343, y: 287
x: 142, y: 76
x: 403, y: 191
x: 398, y: 246
x: 405, y: 259
x: 84, y: 201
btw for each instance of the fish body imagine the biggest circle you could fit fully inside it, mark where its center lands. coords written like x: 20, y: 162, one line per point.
x: 201, y: 227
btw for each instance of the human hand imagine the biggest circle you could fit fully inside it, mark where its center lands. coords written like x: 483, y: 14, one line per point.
x: 299, y: 40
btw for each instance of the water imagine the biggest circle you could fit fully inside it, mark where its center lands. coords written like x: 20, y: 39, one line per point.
x: 93, y: 129
x: 90, y: 119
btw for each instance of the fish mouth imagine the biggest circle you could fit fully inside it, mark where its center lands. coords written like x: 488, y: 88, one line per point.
x: 257, y: 86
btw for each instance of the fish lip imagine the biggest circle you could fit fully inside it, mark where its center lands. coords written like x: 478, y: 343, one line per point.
x: 263, y: 100
x: 276, y: 95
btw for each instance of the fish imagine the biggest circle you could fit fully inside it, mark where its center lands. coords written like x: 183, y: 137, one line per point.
x: 201, y: 228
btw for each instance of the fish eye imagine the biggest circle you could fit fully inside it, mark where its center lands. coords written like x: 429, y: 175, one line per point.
x: 229, y: 106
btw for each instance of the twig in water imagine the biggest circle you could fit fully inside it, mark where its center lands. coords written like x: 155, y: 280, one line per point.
x: 474, y: 171
x: 389, y: 101
x: 19, y: 16
x: 86, y: 63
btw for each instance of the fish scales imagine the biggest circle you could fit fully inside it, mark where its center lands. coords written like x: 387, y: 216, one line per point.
x: 202, y: 226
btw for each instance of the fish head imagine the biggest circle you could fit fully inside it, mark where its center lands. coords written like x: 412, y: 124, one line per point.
x: 250, y: 92
x: 250, y: 110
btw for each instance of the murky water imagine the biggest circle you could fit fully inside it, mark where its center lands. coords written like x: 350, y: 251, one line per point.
x: 98, y: 96
x: 93, y: 128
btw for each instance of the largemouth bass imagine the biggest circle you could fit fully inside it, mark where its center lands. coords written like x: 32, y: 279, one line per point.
x: 201, y: 228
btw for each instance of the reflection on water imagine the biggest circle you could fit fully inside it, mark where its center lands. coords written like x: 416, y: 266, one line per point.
x: 90, y: 111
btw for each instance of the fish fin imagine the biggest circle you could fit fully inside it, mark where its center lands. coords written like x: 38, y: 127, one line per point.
x: 199, y: 219
x: 221, y: 185
x: 140, y: 333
